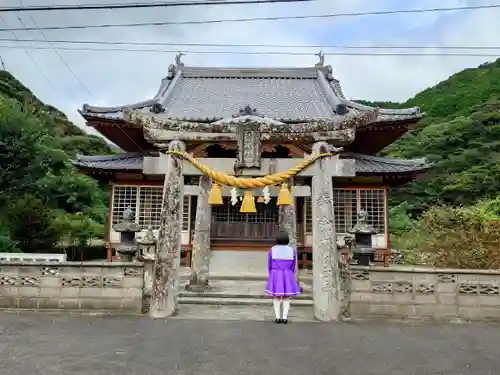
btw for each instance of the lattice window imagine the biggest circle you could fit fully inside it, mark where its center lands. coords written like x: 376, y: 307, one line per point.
x: 266, y: 213
x: 308, y: 214
x: 347, y: 204
x: 146, y: 202
x: 123, y: 198
x: 373, y: 202
x: 150, y: 202
x: 186, y: 210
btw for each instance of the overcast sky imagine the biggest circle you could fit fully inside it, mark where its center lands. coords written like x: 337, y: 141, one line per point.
x: 115, y: 78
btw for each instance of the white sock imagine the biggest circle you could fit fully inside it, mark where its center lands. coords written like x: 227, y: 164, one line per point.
x: 277, y: 305
x: 286, y: 308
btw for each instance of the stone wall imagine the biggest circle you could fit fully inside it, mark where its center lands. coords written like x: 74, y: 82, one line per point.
x: 424, y: 293
x: 72, y: 286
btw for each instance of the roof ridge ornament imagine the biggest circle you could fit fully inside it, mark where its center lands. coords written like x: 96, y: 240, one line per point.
x: 178, y: 63
x: 247, y: 111
x: 321, y: 63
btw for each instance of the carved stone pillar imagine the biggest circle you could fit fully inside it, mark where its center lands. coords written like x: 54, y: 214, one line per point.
x: 200, y: 257
x: 326, y: 274
x: 168, y: 252
x: 288, y: 221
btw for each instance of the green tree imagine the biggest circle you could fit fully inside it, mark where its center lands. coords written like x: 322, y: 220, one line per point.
x: 32, y: 225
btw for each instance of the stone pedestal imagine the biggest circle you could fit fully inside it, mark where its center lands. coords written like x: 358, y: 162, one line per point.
x: 326, y: 276
x: 200, y: 258
x: 166, y: 272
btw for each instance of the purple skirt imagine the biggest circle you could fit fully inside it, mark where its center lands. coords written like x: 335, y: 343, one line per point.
x: 282, y: 283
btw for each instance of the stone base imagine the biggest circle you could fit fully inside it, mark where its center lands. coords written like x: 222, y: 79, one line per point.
x: 193, y: 286
x: 240, y: 262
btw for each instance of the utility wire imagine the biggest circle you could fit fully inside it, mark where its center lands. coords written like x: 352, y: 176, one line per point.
x: 166, y: 4
x: 56, y: 52
x: 253, y: 19
x: 181, y: 44
x: 31, y: 58
x: 80, y: 82
x: 282, y: 53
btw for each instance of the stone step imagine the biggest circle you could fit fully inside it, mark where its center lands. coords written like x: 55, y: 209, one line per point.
x: 298, y: 314
x: 236, y: 294
x: 237, y: 289
x: 220, y: 301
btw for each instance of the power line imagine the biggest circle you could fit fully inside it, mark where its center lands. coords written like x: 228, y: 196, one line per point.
x: 31, y: 58
x: 254, y: 19
x: 167, y: 4
x: 56, y: 52
x: 182, y: 44
x: 282, y: 53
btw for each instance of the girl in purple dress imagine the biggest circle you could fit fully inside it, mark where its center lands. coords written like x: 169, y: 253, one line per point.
x: 282, y: 283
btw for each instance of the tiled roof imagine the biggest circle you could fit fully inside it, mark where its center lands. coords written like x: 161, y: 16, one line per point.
x: 285, y: 94
x: 365, y: 164
x: 368, y: 164
x: 130, y: 161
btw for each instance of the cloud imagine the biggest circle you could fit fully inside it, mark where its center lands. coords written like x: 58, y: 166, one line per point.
x: 115, y: 78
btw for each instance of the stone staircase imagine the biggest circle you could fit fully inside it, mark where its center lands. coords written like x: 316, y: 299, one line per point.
x: 240, y: 297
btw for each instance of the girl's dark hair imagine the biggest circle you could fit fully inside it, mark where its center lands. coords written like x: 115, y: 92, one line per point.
x: 282, y: 239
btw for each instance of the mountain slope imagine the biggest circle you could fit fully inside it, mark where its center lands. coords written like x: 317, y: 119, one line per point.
x: 72, y: 139
x: 44, y: 201
x: 460, y: 134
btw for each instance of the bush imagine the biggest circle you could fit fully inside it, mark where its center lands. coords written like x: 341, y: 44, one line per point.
x: 31, y: 225
x: 455, y: 238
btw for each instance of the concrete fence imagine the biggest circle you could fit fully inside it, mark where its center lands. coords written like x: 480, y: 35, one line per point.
x: 72, y: 286
x: 424, y: 293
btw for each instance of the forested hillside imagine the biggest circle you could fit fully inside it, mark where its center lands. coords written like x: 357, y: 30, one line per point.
x: 460, y: 134
x: 43, y: 200
x: 451, y: 216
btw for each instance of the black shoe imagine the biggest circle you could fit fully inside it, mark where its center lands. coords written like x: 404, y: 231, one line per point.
x: 278, y: 321
x: 284, y: 321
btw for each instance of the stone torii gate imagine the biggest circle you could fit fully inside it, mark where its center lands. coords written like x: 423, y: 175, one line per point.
x: 249, y: 130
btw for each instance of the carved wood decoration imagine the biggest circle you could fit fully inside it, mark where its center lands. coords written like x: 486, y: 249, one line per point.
x: 249, y: 143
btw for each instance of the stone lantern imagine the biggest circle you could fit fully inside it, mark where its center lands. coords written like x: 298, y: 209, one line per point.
x: 363, y: 250
x: 127, y: 248
x: 147, y: 245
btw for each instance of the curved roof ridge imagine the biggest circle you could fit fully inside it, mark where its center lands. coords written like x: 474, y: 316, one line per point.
x: 384, y: 111
x: 386, y: 160
x: 253, y: 72
x: 120, y: 156
x: 165, y: 83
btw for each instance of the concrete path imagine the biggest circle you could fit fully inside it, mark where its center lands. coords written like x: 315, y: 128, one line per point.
x: 40, y: 343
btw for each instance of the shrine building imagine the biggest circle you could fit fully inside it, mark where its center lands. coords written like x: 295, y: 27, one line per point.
x: 292, y: 109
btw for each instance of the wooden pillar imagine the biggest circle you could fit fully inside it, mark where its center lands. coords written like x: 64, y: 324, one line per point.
x: 168, y: 251
x: 326, y: 274
x: 200, y: 257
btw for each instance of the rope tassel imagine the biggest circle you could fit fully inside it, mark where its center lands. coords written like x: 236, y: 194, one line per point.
x: 248, y: 204
x: 215, y: 195
x: 284, y: 196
